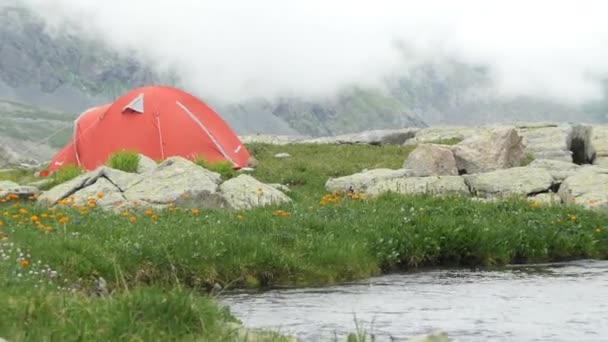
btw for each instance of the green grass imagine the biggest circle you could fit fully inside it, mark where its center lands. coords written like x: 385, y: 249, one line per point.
x: 167, y: 261
x: 127, y: 161
x: 224, y: 168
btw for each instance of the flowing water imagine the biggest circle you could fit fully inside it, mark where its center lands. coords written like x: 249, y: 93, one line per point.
x: 557, y: 302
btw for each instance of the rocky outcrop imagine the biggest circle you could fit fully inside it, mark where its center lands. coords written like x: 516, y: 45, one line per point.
x: 599, y: 140
x: 175, y: 181
x: 489, y: 150
x: 145, y: 164
x: 10, y: 188
x: 509, y: 182
x: 361, y: 181
x: 566, y: 142
x: 588, y: 187
x: 560, y: 170
x: 434, y: 185
x: 245, y: 192
x: 431, y: 160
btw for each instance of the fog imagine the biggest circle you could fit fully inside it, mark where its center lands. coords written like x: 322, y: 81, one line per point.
x: 234, y: 50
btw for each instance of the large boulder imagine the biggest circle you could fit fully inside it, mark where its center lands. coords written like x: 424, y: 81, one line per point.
x: 171, y: 180
x: 433, y: 185
x: 599, y: 140
x: 431, y: 160
x: 245, y: 192
x: 11, y: 188
x: 588, y: 187
x: 510, y: 182
x: 559, y: 169
x: 566, y: 142
x: 361, y: 181
x: 488, y: 150
x: 112, y: 196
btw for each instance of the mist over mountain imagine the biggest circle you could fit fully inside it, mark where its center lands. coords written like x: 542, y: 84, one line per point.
x: 50, y: 61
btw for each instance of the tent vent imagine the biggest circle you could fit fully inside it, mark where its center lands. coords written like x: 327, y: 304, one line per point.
x: 137, y: 105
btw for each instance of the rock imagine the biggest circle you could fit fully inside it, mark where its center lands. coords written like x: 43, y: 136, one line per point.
x: 599, y: 140
x: 12, y: 188
x: 373, y: 137
x: 360, y: 181
x: 587, y: 187
x: 547, y: 198
x: 119, y: 179
x: 510, y: 182
x: 146, y: 164
x: 436, y: 336
x: 252, y: 163
x: 245, y: 192
x: 282, y: 155
x: 566, y: 142
x: 431, y: 160
x: 489, y: 150
x: 441, y: 134
x: 435, y: 185
x: 112, y: 196
x: 559, y: 169
x: 171, y: 180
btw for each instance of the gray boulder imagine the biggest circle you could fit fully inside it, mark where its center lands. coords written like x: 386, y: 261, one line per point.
x: 588, y: 187
x: 245, y: 192
x: 433, y: 185
x: 12, y: 188
x: 515, y: 181
x: 361, y: 181
x: 431, y: 160
x: 559, y: 169
x: 490, y: 149
x: 171, y: 180
x: 599, y: 140
x: 145, y: 164
x: 112, y: 196
x: 566, y: 142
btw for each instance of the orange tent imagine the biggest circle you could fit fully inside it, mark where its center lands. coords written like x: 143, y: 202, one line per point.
x: 156, y: 121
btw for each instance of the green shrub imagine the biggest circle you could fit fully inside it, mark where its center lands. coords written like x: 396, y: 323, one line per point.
x: 124, y: 160
x: 66, y: 173
x: 224, y: 168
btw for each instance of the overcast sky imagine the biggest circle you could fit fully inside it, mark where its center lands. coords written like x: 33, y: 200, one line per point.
x: 241, y: 48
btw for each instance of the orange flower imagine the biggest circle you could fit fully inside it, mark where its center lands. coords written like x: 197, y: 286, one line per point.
x: 22, y: 211
x: 195, y: 211
x: 125, y: 213
x: 1, y: 223
x: 64, y: 220
x: 100, y: 195
x: 132, y: 219
x: 44, y: 215
x: 186, y: 196
x: 149, y: 212
x: 34, y: 218
x: 24, y: 262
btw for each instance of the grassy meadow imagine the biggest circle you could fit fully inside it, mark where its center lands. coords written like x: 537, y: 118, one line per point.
x: 154, y: 261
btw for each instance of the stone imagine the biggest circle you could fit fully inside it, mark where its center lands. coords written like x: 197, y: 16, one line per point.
x: 171, y: 180
x: 599, y: 140
x: 245, y: 192
x: 146, y: 164
x: 12, y: 188
x: 489, y: 150
x: 439, y: 135
x: 112, y: 196
x: 588, y: 187
x: 431, y: 160
x: 559, y: 169
x: 282, y: 155
x: 434, y: 185
x: 372, y: 137
x: 547, y: 198
x: 360, y: 181
x: 566, y: 142
x: 517, y: 181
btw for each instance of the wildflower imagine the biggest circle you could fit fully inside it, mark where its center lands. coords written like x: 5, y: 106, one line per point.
x: 534, y: 204
x: 154, y: 217
x: 572, y: 217
x: 64, y: 220
x: 6, y: 213
x: 48, y: 228
x: 195, y: 211
x: 186, y: 196
x: 240, y: 217
x: 22, y: 211
x: 34, y: 218
x: 100, y: 195
x: 15, y: 217
x: 149, y: 212
x: 125, y: 213
x: 24, y: 262
x: 44, y: 215
x: 598, y: 230
x: 92, y: 205
x: 282, y: 213
x: 132, y: 219
x: 1, y: 223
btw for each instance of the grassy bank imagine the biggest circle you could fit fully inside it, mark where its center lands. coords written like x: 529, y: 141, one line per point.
x: 152, y: 260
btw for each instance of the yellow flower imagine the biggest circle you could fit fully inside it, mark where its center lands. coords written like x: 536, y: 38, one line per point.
x: 125, y: 213
x: 6, y: 213
x: 534, y: 204
x: 154, y: 217
x: 572, y: 217
x: 64, y: 220
x: 149, y: 212
x: 195, y: 211
x: 44, y: 215
x: 22, y: 211
x: 1, y: 223
x: 186, y: 196
x: 24, y: 262
x: 598, y: 230
x: 240, y: 217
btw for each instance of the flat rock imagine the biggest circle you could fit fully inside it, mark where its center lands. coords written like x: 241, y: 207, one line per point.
x: 559, y: 169
x: 490, y: 149
x: 372, y: 137
x: 510, y: 182
x: 171, y: 180
x: 588, y: 187
x: 361, y: 181
x: 112, y: 196
x: 245, y: 192
x: 12, y: 188
x: 441, y: 134
x: 431, y: 160
x: 557, y: 141
x: 434, y: 185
